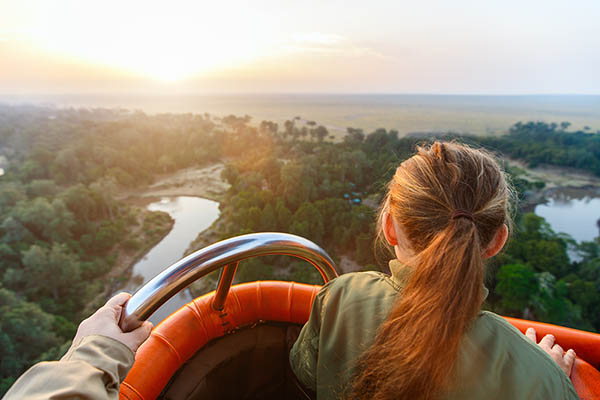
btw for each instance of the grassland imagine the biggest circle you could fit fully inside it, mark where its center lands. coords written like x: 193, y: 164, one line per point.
x: 404, y: 113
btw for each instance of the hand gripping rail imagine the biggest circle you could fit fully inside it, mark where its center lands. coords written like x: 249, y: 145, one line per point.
x: 225, y: 254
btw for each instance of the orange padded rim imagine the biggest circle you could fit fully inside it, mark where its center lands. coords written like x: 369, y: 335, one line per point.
x: 184, y: 332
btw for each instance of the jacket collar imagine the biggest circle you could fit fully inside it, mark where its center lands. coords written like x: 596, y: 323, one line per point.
x: 401, y: 273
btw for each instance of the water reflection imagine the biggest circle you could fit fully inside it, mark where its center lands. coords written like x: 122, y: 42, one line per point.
x: 573, y: 211
x: 192, y: 215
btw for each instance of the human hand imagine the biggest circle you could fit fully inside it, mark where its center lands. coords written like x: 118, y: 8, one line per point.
x: 564, y: 360
x: 105, y: 322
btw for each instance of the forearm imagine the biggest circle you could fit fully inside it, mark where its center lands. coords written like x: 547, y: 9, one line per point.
x: 93, y: 368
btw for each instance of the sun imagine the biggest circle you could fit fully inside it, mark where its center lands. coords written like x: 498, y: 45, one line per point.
x: 168, y: 75
x: 164, y: 63
x: 167, y: 44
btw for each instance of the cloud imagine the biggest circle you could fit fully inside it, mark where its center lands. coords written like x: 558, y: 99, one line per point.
x: 328, y: 43
x: 318, y: 38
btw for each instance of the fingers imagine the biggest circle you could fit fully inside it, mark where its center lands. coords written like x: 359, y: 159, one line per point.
x: 558, y: 350
x: 564, y: 360
x: 118, y: 300
x: 530, y: 333
x: 115, y: 305
x: 569, y: 360
x: 547, y: 342
x: 139, y: 335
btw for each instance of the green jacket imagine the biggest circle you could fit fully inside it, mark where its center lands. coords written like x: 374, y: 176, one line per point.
x: 496, y: 360
x: 92, y: 369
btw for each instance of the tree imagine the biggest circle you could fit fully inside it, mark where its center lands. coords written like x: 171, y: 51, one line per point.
x: 253, y: 218
x: 42, y: 187
x: 10, y: 194
x: 354, y: 136
x: 105, y: 237
x: 308, y: 222
x: 66, y: 165
x: 48, y: 221
x: 230, y: 174
x: 81, y: 202
x: 551, y: 303
x: 57, y: 266
x: 516, y: 283
x: 303, y: 132
x: 301, y: 271
x: 25, y: 332
x: 548, y: 255
x: 253, y: 269
x: 60, y: 226
x: 269, y: 128
x: 297, y: 184
x: 289, y: 129
x: 268, y: 221
x: 13, y: 231
x: 270, y: 168
x: 30, y: 170
x: 284, y: 216
x: 335, y: 214
x: 9, y: 258
x: 321, y: 132
x: 105, y: 189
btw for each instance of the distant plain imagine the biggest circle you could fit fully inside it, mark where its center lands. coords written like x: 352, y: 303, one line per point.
x: 405, y: 113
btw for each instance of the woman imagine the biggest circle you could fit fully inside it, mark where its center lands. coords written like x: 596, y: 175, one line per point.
x: 421, y: 334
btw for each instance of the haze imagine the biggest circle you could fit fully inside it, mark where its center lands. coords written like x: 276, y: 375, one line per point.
x: 442, y: 47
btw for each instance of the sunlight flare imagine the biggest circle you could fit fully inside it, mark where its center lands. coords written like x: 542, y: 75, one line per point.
x: 166, y: 45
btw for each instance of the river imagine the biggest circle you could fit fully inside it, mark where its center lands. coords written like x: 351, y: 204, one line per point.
x: 573, y: 211
x: 192, y: 215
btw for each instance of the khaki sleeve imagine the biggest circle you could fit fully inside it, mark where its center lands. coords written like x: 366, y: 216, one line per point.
x: 570, y: 392
x: 93, y: 368
x: 304, y: 354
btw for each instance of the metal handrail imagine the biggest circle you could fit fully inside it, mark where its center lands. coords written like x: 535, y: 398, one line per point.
x: 224, y: 254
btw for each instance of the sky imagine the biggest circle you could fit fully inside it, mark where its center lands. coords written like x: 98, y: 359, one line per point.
x: 325, y: 46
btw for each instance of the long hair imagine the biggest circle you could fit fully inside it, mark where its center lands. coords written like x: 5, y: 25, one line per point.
x: 415, y: 352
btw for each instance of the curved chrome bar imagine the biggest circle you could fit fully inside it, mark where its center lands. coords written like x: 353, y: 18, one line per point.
x: 204, y: 261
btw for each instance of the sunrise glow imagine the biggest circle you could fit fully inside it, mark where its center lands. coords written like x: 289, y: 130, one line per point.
x: 167, y: 42
x: 264, y: 46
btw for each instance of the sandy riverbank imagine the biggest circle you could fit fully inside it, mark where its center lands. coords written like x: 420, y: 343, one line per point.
x: 203, y: 182
x: 557, y: 176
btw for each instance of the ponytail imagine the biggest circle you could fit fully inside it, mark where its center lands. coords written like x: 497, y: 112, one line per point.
x: 427, y: 322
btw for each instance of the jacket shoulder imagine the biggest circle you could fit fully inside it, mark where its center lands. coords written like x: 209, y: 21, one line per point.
x: 517, y: 359
x: 353, y: 280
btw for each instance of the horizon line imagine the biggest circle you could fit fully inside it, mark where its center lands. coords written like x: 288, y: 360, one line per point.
x: 203, y: 94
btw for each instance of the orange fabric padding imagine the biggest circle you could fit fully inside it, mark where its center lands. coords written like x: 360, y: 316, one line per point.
x: 586, y: 380
x: 184, y: 332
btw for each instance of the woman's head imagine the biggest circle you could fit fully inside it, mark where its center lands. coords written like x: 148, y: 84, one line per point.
x: 445, y: 211
x: 444, y: 184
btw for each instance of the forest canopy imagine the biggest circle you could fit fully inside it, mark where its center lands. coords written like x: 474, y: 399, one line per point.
x: 63, y: 225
